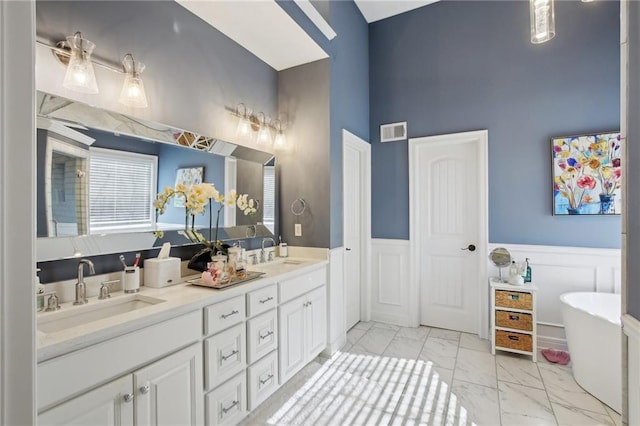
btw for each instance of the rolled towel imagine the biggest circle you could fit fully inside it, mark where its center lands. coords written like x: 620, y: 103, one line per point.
x: 556, y: 356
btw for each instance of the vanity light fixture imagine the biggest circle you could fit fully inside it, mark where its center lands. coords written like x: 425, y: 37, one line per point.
x: 80, y: 75
x: 543, y: 24
x: 264, y: 132
x: 133, y: 93
x: 280, y: 143
x: 75, y: 54
x: 244, y: 125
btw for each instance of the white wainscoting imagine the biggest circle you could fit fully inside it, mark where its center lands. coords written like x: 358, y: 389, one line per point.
x: 558, y: 270
x: 336, y: 327
x: 631, y: 327
x: 390, y: 281
x: 555, y: 270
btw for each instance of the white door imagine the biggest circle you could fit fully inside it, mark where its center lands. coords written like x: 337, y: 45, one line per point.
x: 108, y: 405
x: 449, y: 191
x: 169, y: 392
x: 356, y: 192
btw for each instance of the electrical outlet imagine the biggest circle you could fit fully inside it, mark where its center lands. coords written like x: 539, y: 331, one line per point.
x: 298, y: 230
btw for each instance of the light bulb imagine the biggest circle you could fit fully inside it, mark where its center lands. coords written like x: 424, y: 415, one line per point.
x: 133, y: 93
x: 80, y: 75
x: 264, y: 135
x: 543, y: 27
x: 280, y: 142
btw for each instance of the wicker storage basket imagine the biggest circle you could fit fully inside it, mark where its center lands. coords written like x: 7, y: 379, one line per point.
x: 514, y: 299
x: 516, y: 320
x: 519, y: 341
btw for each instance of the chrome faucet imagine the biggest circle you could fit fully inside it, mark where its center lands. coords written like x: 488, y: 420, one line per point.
x: 273, y: 242
x: 81, y: 287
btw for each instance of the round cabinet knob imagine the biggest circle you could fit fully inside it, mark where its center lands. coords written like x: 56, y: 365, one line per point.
x: 128, y: 397
x: 470, y: 247
x: 144, y: 389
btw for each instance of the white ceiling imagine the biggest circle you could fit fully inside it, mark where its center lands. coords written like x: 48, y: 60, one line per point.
x: 375, y: 10
x: 261, y: 27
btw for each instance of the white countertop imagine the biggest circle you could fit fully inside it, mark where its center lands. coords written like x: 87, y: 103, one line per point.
x: 179, y: 299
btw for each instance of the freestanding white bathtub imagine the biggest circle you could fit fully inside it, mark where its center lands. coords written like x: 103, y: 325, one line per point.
x: 594, y: 335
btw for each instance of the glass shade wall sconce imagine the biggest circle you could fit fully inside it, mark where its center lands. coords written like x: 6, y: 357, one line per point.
x: 260, y: 126
x: 76, y: 53
x: 543, y: 24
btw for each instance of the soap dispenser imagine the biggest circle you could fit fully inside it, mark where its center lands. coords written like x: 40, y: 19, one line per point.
x: 527, y: 275
x: 39, y: 290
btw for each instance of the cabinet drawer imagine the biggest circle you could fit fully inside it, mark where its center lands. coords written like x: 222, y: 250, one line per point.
x: 263, y: 335
x: 223, y: 315
x: 227, y: 405
x: 515, y: 320
x: 224, y: 355
x: 262, y: 300
x: 519, y: 341
x: 514, y: 299
x: 262, y: 379
x: 294, y: 287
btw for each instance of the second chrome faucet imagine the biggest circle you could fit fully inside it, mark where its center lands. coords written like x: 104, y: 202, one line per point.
x: 81, y: 286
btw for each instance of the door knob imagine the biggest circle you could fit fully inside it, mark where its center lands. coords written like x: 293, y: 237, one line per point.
x: 128, y: 397
x: 470, y: 247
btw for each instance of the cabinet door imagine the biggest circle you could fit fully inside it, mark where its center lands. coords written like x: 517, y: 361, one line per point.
x: 292, y: 338
x: 169, y: 391
x: 315, y: 323
x: 104, y: 406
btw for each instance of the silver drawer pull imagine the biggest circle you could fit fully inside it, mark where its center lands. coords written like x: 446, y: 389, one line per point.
x: 229, y: 408
x: 226, y: 357
x: 266, y: 300
x: 128, y: 397
x: 269, y: 377
x: 225, y: 316
x: 261, y: 337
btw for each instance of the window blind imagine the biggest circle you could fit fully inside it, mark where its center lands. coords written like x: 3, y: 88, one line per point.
x: 269, y: 207
x: 122, y: 187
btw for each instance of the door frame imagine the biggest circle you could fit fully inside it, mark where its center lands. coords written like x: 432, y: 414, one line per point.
x: 364, y: 149
x: 481, y: 137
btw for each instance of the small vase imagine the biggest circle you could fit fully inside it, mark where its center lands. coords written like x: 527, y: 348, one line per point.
x: 573, y: 211
x: 606, y: 203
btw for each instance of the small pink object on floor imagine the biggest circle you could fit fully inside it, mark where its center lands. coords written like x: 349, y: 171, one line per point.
x: 556, y: 356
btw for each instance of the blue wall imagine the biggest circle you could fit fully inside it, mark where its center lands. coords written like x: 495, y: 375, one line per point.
x: 172, y: 158
x: 466, y: 65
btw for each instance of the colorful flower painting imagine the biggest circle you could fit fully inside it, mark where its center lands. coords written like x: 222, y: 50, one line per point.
x: 187, y: 177
x: 586, y: 174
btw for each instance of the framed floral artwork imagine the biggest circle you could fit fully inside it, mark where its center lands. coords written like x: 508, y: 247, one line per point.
x: 187, y: 176
x: 586, y: 174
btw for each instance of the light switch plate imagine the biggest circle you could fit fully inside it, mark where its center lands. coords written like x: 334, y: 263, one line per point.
x: 298, y: 230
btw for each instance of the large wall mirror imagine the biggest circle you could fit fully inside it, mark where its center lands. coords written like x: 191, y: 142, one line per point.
x: 98, y: 173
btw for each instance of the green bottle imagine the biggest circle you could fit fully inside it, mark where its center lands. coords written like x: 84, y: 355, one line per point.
x: 527, y: 277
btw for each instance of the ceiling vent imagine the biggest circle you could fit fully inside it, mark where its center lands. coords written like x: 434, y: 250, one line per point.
x: 393, y: 132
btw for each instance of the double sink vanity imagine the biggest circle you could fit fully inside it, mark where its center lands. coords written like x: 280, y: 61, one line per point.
x: 182, y: 354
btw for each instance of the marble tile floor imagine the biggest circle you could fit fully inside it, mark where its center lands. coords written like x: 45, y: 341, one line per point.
x: 389, y: 375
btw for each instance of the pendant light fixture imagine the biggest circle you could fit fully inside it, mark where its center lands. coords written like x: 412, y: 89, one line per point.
x: 80, y: 75
x: 280, y: 142
x: 133, y: 93
x: 543, y: 25
x: 244, y: 125
x: 264, y: 133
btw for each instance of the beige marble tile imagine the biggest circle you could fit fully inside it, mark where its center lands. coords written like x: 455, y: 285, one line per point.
x: 355, y: 334
x: 571, y: 416
x: 473, y: 404
x: 385, y: 326
x: 472, y: 341
x: 519, y: 370
x: 376, y: 340
x: 403, y: 347
x: 563, y: 389
x: 417, y: 333
x: 440, y: 352
x: 363, y: 325
x: 476, y: 367
x: 441, y: 333
x: 522, y: 405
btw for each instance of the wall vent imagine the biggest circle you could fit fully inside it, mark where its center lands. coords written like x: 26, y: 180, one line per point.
x: 393, y: 132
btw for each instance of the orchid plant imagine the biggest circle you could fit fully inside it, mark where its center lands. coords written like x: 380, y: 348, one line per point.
x: 196, y: 199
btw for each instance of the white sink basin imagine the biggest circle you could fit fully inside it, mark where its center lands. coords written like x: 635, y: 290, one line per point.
x: 95, y: 310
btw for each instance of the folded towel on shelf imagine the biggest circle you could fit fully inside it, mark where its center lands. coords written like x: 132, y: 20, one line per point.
x: 556, y: 356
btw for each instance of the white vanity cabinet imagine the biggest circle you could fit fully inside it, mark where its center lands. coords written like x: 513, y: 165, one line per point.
x: 303, y: 325
x: 168, y: 391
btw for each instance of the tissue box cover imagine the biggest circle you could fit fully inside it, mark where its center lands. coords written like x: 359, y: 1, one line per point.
x: 160, y: 273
